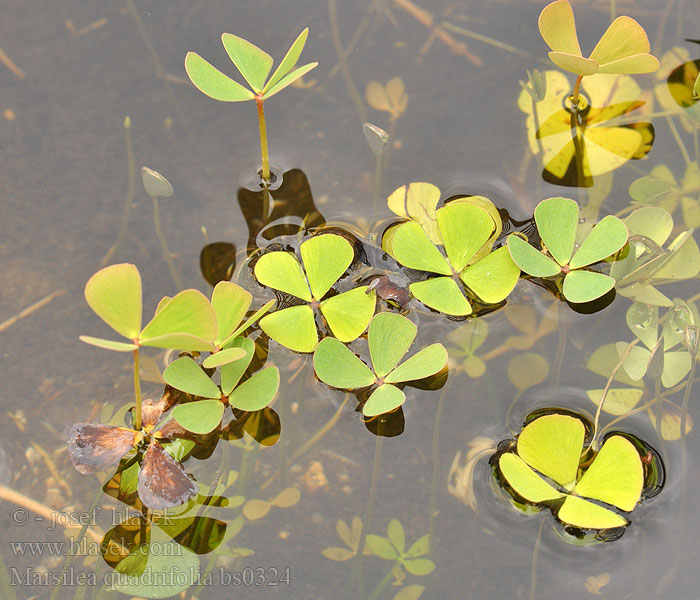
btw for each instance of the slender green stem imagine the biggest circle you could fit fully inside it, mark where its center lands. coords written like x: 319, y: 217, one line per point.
x: 533, y: 565
x: 357, y: 566
x: 677, y: 136
x: 577, y: 89
x: 383, y: 583
x: 129, y: 198
x: 137, y: 390
x: 259, y: 101
x: 352, y: 90
x: 377, y: 183
x: 164, y: 245
x: 684, y: 420
x: 436, y: 469
x: 611, y: 378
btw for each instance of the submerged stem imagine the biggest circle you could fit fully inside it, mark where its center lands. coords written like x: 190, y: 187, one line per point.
x: 164, y: 245
x: 137, y: 390
x: 263, y: 140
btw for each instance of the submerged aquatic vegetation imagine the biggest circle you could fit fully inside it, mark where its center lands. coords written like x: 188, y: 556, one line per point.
x: 255, y: 65
x: 552, y: 447
x: 325, y: 257
x: 648, y: 264
x: 390, y: 337
x: 558, y: 226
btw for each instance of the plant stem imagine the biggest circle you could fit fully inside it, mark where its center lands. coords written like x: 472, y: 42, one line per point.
x: 129, y: 199
x: 577, y: 89
x: 164, y: 245
x: 259, y: 101
x: 357, y: 567
x: 604, y: 395
x: 377, y: 184
x: 383, y: 583
x: 137, y: 390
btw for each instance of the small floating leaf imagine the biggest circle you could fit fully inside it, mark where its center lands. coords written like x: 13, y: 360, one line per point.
x: 425, y: 363
x: 293, y: 327
x: 282, y: 271
x: 524, y: 480
x: 584, y: 286
x: 530, y: 260
x: 552, y: 445
x: 557, y: 220
x: 616, y: 475
x: 384, y: 399
x: 338, y: 367
x: 390, y: 337
x: 492, y: 278
x: 607, y: 237
x: 463, y: 228
x: 326, y: 257
x: 200, y: 417
x: 257, y: 392
x: 186, y: 375
x: 412, y: 248
x: 442, y: 294
x: 349, y: 313
x: 581, y: 513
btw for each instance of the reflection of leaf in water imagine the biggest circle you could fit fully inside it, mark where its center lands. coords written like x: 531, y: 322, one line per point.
x: 599, y: 144
x: 660, y: 188
x: 217, y: 261
x: 293, y: 209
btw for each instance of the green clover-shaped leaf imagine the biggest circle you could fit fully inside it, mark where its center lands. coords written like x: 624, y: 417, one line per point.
x: 253, y: 63
x: 465, y: 230
x: 390, y: 336
x: 623, y: 48
x: 184, y: 322
x: 552, y: 445
x: 557, y: 223
x: 325, y: 258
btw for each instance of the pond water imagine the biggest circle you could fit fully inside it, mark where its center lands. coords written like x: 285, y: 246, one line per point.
x: 72, y: 73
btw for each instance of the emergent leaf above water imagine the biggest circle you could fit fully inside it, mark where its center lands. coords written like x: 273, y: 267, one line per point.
x: 185, y: 322
x: 623, y: 48
x: 558, y: 226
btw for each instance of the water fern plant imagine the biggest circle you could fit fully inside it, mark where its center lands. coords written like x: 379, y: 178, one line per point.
x: 255, y: 65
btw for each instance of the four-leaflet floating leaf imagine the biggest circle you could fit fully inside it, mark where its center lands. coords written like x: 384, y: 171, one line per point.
x: 558, y: 226
x: 326, y: 257
x: 551, y: 446
x: 255, y: 65
x: 390, y: 336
